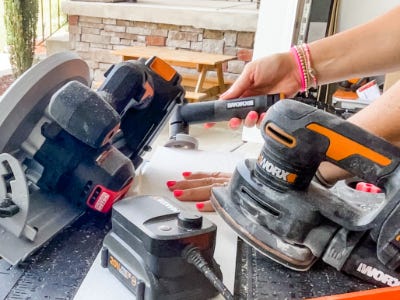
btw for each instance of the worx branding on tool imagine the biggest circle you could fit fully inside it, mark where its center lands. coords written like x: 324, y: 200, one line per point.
x: 239, y: 104
x: 279, y: 173
x: 377, y: 275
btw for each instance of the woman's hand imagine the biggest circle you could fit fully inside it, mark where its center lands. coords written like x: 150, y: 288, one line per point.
x: 274, y: 74
x: 197, y: 186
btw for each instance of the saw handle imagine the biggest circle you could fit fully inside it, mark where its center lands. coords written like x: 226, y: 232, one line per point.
x: 218, y: 110
x: 127, y: 84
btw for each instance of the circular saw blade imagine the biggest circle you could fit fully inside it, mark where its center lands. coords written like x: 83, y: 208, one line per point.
x: 25, y: 102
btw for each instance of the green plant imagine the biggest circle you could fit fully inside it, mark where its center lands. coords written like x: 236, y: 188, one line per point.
x: 20, y: 20
x: 2, y: 29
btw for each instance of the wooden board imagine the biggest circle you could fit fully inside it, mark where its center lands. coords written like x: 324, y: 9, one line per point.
x: 177, y: 57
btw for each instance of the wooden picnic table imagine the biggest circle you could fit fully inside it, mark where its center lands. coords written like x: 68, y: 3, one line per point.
x: 201, y: 61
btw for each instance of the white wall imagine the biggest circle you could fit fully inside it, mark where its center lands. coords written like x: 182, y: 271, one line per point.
x: 275, y: 26
x: 355, y: 12
x: 277, y: 18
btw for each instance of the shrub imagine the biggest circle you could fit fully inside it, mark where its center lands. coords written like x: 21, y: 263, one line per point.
x: 20, y: 20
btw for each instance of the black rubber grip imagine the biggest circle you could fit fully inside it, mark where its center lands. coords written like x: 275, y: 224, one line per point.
x: 223, y: 110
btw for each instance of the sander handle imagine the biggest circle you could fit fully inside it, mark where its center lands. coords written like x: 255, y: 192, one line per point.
x: 304, y: 136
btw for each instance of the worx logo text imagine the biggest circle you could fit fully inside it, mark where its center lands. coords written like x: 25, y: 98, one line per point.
x: 377, y: 275
x: 276, y: 171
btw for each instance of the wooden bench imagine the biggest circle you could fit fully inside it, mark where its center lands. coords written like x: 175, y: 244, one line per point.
x: 191, y: 80
x: 200, y: 61
x: 210, y: 88
x: 210, y: 84
x: 192, y: 96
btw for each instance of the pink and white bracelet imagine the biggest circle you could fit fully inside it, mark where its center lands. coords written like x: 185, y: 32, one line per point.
x: 308, y: 78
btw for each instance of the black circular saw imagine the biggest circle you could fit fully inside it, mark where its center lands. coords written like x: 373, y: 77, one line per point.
x: 30, y: 216
x: 66, y: 148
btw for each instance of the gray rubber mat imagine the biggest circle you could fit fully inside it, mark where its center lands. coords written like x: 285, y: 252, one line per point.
x: 258, y: 277
x: 56, y: 270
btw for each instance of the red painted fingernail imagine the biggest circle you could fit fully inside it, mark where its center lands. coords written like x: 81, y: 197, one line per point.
x: 234, y: 123
x: 178, y: 193
x: 208, y: 125
x: 253, y: 115
x: 199, y: 205
x: 186, y: 174
x: 171, y: 183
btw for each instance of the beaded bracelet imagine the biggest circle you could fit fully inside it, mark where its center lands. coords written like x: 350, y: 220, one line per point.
x: 301, y: 67
x: 311, y: 71
x: 302, y: 56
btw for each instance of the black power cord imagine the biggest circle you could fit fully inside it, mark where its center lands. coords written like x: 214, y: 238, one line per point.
x: 193, y: 255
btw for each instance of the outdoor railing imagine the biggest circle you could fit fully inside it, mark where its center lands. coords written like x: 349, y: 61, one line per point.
x: 50, y: 19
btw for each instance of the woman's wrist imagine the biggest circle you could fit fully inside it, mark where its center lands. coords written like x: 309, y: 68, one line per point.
x: 293, y: 70
x: 322, y: 180
x: 331, y: 173
x: 302, y: 56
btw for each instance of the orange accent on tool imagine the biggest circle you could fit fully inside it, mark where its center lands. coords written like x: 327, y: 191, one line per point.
x: 341, y: 147
x: 291, y: 177
x: 149, y: 92
x: 346, y: 95
x: 353, y: 80
x: 163, y: 69
x: 280, y: 135
x: 388, y: 293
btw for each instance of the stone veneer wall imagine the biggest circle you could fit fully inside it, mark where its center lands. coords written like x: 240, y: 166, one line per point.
x: 94, y: 39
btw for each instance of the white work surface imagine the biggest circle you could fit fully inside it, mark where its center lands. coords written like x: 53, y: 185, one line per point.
x: 168, y: 164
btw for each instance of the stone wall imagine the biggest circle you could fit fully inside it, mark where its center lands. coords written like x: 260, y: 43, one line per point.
x: 95, y: 38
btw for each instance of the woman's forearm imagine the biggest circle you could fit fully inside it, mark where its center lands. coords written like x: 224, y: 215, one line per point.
x: 370, y: 49
x: 380, y: 118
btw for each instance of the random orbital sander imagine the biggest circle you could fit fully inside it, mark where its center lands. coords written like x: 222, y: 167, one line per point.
x: 277, y: 206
